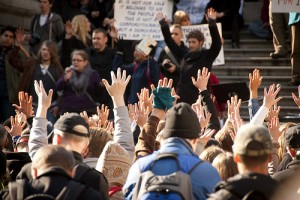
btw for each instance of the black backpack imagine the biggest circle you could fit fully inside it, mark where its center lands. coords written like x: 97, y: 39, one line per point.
x: 19, y: 189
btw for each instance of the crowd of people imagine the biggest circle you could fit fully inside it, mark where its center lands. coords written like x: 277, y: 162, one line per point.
x: 88, y: 115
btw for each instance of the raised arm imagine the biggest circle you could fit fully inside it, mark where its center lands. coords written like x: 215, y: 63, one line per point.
x: 38, y: 132
x: 122, y: 134
x: 201, y: 84
x: 254, y: 82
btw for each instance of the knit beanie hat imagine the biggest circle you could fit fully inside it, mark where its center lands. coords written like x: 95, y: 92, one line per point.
x: 181, y: 121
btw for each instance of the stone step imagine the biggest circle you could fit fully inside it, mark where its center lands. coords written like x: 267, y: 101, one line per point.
x: 259, y: 52
x: 252, y: 43
x: 245, y: 70
x: 268, y: 80
x: 256, y: 61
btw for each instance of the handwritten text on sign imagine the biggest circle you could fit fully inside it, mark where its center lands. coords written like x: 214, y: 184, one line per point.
x: 285, y: 6
x: 207, y: 41
x: 135, y: 19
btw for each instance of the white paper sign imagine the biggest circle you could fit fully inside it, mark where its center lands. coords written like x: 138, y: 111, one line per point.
x: 135, y: 19
x: 207, y: 39
x: 285, y: 6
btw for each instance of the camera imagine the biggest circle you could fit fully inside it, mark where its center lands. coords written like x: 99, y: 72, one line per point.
x: 167, y: 66
x: 34, y: 40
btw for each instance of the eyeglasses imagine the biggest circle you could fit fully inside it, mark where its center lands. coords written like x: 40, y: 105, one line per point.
x: 77, y: 60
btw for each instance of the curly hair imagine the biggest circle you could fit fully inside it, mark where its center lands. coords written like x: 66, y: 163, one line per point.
x: 80, y: 29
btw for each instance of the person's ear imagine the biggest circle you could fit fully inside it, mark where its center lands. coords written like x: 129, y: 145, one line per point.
x: 236, y: 158
x: 85, y: 152
x: 292, y: 152
x: 56, y: 139
x: 34, y: 173
x: 106, y: 39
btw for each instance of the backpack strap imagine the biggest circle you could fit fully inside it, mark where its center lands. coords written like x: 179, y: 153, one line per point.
x: 80, y: 171
x: 71, y: 191
x: 161, y: 156
x: 194, y: 167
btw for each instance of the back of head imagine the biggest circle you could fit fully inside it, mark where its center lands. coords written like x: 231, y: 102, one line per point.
x: 98, y: 139
x: 9, y: 29
x: 292, y: 137
x: 53, y: 156
x: 210, y: 153
x: 253, y: 144
x: 225, y: 165
x: 72, y: 128
x: 182, y: 122
x: 182, y: 18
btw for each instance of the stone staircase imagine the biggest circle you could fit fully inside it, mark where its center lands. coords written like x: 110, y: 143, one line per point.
x: 254, y: 54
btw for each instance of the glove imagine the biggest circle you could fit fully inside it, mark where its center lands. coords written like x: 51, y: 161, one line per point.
x: 162, y: 98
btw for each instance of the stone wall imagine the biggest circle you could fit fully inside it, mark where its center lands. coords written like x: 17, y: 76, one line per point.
x: 17, y: 13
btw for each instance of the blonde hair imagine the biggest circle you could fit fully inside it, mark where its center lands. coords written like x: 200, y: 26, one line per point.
x: 80, y: 29
x: 180, y: 16
x: 210, y: 153
x: 225, y: 165
x: 282, y: 147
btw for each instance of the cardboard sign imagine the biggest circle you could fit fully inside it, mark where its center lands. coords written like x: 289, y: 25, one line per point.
x: 285, y: 6
x: 136, y: 19
x: 207, y: 39
x: 145, y: 45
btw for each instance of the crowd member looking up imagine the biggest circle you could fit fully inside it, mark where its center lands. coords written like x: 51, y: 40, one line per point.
x: 46, y: 67
x: 168, y: 63
x: 45, y: 26
x: 144, y: 70
x: 101, y: 59
x: 252, y: 150
x: 228, y: 15
x: 52, y: 168
x: 9, y: 76
x: 196, y: 58
x: 79, y: 86
x: 77, y: 37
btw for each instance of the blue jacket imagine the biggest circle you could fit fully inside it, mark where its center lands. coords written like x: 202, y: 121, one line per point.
x: 142, y: 75
x: 204, y: 177
x: 294, y: 18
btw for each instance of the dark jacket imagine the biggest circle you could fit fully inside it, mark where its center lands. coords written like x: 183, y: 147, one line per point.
x: 28, y: 67
x: 15, y: 162
x: 290, y: 171
x: 142, y: 75
x: 192, y: 61
x: 176, y: 74
x: 237, y: 187
x: 52, y: 183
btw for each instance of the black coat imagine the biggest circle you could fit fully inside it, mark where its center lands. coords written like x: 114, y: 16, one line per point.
x: 52, y: 182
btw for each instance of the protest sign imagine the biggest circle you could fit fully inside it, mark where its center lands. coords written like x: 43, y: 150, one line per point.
x: 285, y: 6
x: 207, y: 39
x: 136, y: 19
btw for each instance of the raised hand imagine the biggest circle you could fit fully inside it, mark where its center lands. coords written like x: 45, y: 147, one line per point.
x: 254, y: 82
x: 160, y: 16
x: 146, y: 99
x: 68, y: 29
x: 211, y: 14
x: 89, y: 120
x: 163, y: 98
x: 20, y: 36
x: 297, y: 99
x: 25, y: 106
x: 103, y: 114
x: 117, y: 88
x: 203, y: 116
x: 270, y: 96
x: 140, y: 114
x: 202, y: 79
x: 234, y: 102
x: 206, y: 136
x: 273, y: 112
x: 17, y: 126
x: 44, y: 99
x: 273, y: 127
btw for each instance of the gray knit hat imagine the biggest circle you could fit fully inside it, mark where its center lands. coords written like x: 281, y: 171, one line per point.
x: 181, y: 121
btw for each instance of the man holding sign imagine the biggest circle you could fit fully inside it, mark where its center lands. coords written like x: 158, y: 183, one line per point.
x: 196, y: 58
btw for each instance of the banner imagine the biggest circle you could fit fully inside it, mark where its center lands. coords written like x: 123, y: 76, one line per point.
x: 207, y: 39
x: 285, y: 6
x: 136, y: 19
